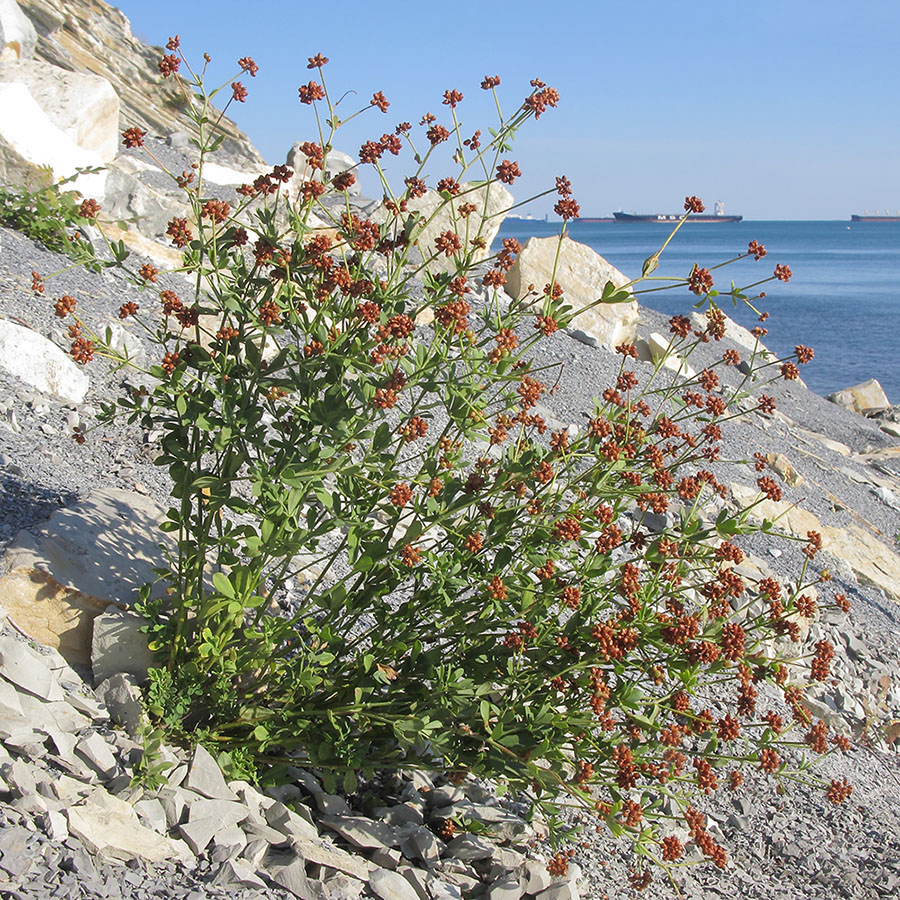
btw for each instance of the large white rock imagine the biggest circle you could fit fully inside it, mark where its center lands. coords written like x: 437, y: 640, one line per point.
x: 82, y: 105
x: 37, y: 361
x: 866, y: 398
x: 110, y: 827
x: 437, y: 215
x: 61, y: 576
x: 29, y: 140
x: 337, y: 162
x: 17, y: 34
x: 119, y: 646
x: 582, y: 274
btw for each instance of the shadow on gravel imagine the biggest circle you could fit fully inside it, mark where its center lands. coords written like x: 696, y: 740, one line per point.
x: 24, y: 503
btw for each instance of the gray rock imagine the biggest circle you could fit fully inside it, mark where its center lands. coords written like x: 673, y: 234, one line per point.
x: 402, y: 814
x: 361, y: 832
x: 293, y: 878
x: 332, y: 805
x: 390, y: 885
x: 27, y: 671
x: 207, y: 818
x: 152, y: 813
x: 322, y: 853
x: 205, y: 777
x: 422, y: 843
x: 179, y: 139
x: 118, y: 646
x: 565, y: 890
x: 97, y: 754
x: 339, y: 886
x: 122, y: 697
x: 237, y: 873
x: 537, y: 878
x: 506, y: 890
x: 470, y: 847
x: 288, y: 822
x: 386, y: 857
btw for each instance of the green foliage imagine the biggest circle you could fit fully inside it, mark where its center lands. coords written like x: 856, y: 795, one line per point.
x: 47, y: 213
x: 558, y: 611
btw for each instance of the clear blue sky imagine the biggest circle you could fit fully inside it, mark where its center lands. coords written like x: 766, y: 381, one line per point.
x: 784, y: 110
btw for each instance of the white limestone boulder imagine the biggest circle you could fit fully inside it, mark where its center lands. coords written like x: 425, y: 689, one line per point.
x: 336, y: 162
x: 866, y: 398
x: 437, y: 215
x: 61, y: 576
x: 82, y: 105
x: 38, y: 362
x: 17, y: 34
x: 582, y: 274
x: 29, y: 140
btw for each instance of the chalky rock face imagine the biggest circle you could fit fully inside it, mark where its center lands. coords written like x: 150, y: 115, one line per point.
x: 92, y: 36
x: 582, y: 274
x: 38, y: 362
x: 866, y: 398
x: 30, y: 142
x: 81, y: 105
x: 17, y: 34
x: 97, y: 552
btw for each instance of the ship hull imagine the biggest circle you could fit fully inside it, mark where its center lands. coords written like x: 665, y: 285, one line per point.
x: 855, y: 218
x: 672, y: 218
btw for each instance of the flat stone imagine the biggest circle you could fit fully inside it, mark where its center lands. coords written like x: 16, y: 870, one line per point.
x: 361, y: 832
x: 563, y: 891
x: 99, y: 550
x: 506, y: 890
x: 332, y: 805
x: 319, y: 852
x: 110, y: 827
x: 386, y: 857
x: 208, y: 818
x: 206, y: 778
x: 779, y: 463
x: 424, y: 844
x: 238, y: 873
x: 402, y: 814
x: 285, y: 820
x: 26, y: 670
x: 390, y: 885
x: 122, y: 697
x: 866, y: 398
x: 470, y: 847
x: 97, y: 754
x: 537, y: 878
x: 339, y: 886
x: 293, y: 878
x: 119, y: 646
x: 152, y: 813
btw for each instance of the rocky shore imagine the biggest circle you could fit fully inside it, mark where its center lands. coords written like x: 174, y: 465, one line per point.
x: 77, y: 532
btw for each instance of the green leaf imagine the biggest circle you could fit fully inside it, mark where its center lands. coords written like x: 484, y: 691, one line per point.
x: 223, y: 585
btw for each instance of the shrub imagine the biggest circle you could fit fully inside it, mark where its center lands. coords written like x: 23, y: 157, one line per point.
x: 47, y: 213
x: 558, y: 611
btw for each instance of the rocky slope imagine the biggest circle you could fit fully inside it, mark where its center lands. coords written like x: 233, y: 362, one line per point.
x: 77, y: 528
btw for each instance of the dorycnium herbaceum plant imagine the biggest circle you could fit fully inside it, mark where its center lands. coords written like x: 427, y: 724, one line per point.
x: 350, y: 411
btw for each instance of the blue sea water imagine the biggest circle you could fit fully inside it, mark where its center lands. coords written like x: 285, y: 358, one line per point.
x: 843, y: 299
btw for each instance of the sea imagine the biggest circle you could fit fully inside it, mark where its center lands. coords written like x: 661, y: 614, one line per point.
x: 843, y: 299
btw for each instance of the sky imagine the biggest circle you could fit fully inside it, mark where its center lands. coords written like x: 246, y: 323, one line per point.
x: 782, y: 110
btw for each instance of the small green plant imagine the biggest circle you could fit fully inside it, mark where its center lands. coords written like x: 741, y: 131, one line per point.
x: 560, y: 611
x: 47, y: 213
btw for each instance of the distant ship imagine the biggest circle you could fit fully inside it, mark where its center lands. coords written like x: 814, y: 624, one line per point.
x: 718, y: 217
x: 876, y: 217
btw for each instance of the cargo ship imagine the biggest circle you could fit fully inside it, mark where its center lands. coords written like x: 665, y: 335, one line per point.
x: 876, y: 217
x: 718, y: 217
